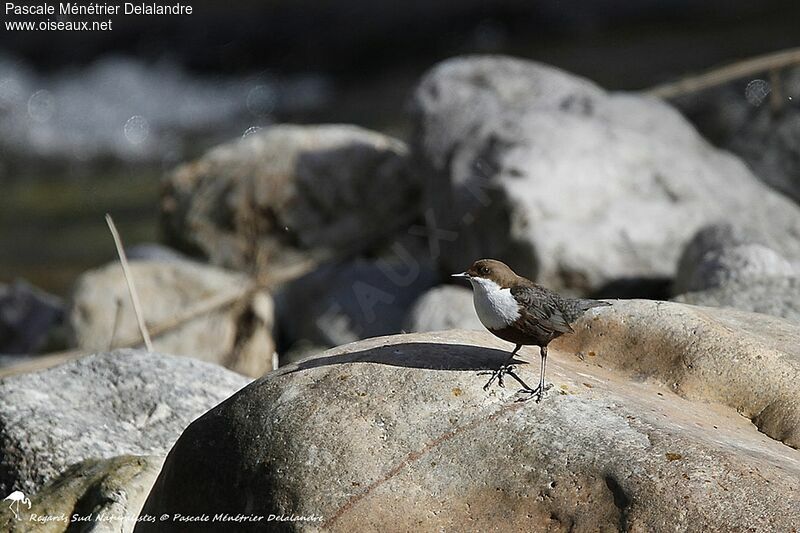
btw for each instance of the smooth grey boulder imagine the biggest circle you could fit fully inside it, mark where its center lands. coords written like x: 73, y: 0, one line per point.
x: 289, y: 196
x: 101, y: 406
x: 27, y: 317
x: 398, y: 430
x: 441, y: 308
x: 742, y: 263
x: 190, y: 309
x: 744, y: 117
x: 571, y: 185
x: 96, y: 495
x: 777, y: 296
x: 721, y: 253
x: 344, y: 302
x: 731, y: 266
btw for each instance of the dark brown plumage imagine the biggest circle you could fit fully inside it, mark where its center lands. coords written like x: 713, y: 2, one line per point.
x: 519, y: 311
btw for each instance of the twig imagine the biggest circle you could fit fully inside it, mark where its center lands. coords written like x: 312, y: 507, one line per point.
x: 131, y: 287
x: 117, y: 312
x: 719, y: 76
x: 203, y: 307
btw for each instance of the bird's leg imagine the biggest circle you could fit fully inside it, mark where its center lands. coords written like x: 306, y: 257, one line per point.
x: 539, y: 391
x: 505, y: 368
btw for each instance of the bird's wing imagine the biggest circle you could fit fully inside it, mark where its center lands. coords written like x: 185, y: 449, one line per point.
x: 541, y: 311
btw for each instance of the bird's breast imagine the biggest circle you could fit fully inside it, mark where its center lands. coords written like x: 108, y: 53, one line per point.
x: 496, y: 307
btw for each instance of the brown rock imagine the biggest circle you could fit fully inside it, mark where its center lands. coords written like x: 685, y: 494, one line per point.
x: 747, y: 361
x: 397, y: 433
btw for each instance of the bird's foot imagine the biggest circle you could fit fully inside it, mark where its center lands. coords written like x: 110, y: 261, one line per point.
x: 497, y: 375
x: 536, y: 394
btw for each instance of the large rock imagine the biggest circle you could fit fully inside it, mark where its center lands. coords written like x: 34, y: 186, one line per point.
x: 742, y: 116
x: 190, y: 308
x: 277, y: 199
x: 98, y: 496
x: 344, y: 302
x: 749, y: 362
x: 398, y: 430
x: 731, y: 266
x: 570, y: 184
x: 27, y: 317
x: 722, y: 253
x: 101, y: 406
x: 777, y: 295
x: 735, y: 264
x: 441, y: 308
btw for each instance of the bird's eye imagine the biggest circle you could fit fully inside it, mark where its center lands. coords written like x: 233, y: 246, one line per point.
x: 484, y: 270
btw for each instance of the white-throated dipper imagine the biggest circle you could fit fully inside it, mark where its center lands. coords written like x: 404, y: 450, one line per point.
x: 520, y: 311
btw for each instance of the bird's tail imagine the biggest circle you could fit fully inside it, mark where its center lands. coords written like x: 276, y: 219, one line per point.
x: 577, y: 307
x: 586, y: 304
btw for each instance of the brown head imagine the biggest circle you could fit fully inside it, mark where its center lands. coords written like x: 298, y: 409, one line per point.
x: 492, y: 269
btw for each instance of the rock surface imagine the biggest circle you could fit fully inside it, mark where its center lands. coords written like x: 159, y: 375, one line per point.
x: 101, y: 406
x: 731, y: 266
x: 749, y: 362
x: 572, y: 185
x: 746, y: 262
x: 398, y: 430
x: 720, y: 253
x: 27, y: 316
x: 213, y: 314
x: 777, y: 296
x: 441, y: 308
x: 281, y: 197
x: 343, y: 302
x: 108, y: 493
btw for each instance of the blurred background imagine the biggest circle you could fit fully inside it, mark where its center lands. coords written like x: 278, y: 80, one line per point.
x: 89, y: 122
x: 289, y: 176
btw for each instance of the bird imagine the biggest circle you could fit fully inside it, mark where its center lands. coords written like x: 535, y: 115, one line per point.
x: 16, y: 497
x: 518, y: 310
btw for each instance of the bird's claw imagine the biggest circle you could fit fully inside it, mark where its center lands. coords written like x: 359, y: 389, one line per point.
x: 497, y: 375
x: 537, y: 394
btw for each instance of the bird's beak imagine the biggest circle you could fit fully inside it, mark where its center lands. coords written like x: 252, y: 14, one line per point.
x: 462, y: 275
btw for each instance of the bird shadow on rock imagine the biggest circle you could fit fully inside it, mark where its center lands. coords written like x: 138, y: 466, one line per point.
x: 425, y: 355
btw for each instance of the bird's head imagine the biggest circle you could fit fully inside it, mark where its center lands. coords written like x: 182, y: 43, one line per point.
x: 489, y: 269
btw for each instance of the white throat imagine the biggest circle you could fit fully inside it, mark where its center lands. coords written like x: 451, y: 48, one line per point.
x: 496, y: 307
